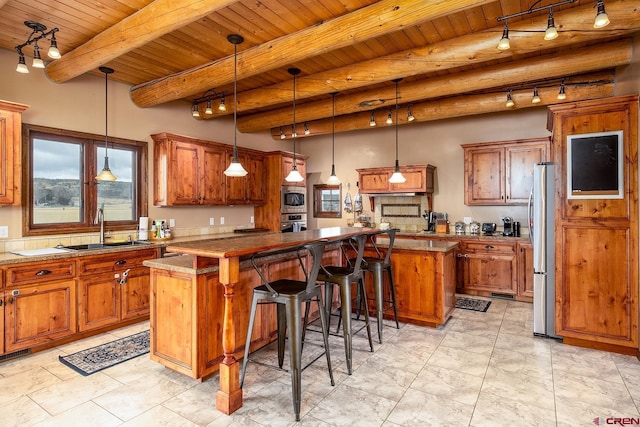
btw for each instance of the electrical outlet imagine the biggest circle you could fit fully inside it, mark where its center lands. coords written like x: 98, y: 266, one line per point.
x: 251, y: 219
x: 172, y: 222
x: 4, y: 231
x: 212, y: 221
x: 467, y: 220
x: 221, y: 220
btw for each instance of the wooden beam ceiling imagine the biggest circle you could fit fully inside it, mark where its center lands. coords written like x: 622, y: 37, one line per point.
x: 380, y: 18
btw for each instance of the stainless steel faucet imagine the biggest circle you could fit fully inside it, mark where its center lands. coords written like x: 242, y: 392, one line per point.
x: 100, y: 220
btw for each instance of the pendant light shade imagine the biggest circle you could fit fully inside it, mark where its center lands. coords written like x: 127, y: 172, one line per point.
x: 602, y: 19
x: 333, y: 179
x: 294, y: 175
x: 106, y: 174
x: 397, y: 177
x: 235, y: 167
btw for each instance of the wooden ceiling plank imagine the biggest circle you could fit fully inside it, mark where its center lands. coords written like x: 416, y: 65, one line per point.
x: 373, y: 21
x: 549, y: 66
x: 461, y: 51
x: 151, y: 22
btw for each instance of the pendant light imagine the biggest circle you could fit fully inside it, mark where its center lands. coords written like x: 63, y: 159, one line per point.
x: 333, y: 179
x: 105, y: 174
x: 294, y: 175
x: 235, y: 168
x: 397, y: 177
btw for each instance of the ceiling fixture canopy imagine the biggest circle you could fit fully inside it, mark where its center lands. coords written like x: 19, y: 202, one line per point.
x: 38, y: 32
x: 397, y: 177
x: 106, y: 174
x: 235, y: 167
x: 294, y: 175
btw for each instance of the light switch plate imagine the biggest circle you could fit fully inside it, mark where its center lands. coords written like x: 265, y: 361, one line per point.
x: 172, y: 222
x: 251, y: 219
x: 4, y: 231
x: 212, y: 221
x: 221, y: 220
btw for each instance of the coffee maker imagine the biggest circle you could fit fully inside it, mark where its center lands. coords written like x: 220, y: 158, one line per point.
x: 507, y: 227
x: 430, y: 216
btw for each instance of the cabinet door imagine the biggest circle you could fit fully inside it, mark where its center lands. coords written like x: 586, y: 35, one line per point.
x: 10, y: 149
x: 525, y: 270
x: 135, y: 294
x: 287, y: 166
x: 374, y: 181
x: 184, y: 175
x: 520, y: 159
x: 211, y: 176
x: 256, y: 179
x: 484, y: 176
x: 415, y: 181
x: 3, y: 298
x: 490, y: 272
x: 39, y: 314
x: 237, y: 185
x: 99, y: 301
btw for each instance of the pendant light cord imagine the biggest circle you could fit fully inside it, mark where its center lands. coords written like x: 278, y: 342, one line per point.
x: 397, y: 81
x: 235, y: 102
x: 106, y: 114
x: 333, y: 129
x: 294, y: 123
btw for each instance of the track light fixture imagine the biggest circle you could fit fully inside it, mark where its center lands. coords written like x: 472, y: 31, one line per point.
x: 235, y: 167
x: 536, y: 98
x: 410, y: 116
x: 38, y: 32
x: 551, y: 31
x: 561, y: 94
x: 504, y: 44
x: 389, y: 120
x: 282, y: 135
x: 397, y: 177
x: 306, y: 129
x: 372, y: 119
x: 294, y: 175
x: 208, y: 96
x: 602, y: 19
x: 510, y: 102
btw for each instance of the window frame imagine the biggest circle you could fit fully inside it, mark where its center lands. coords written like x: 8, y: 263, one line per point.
x: 317, y: 201
x: 90, y: 144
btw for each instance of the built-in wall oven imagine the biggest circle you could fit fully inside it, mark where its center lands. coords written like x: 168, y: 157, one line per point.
x: 293, y: 222
x: 293, y: 200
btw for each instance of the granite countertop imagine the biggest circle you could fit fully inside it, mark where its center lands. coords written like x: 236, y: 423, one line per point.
x: 418, y: 244
x: 426, y: 235
x: 8, y: 258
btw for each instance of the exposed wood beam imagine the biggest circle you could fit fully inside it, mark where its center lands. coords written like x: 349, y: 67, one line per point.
x: 601, y: 85
x: 578, y: 61
x: 149, y: 23
x: 368, y: 22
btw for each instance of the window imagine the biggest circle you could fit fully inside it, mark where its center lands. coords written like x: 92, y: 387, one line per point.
x: 61, y: 194
x: 326, y: 201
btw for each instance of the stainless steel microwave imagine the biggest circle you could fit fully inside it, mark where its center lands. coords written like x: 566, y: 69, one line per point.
x: 293, y: 199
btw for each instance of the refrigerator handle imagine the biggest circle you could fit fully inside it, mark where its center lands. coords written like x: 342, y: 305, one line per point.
x: 530, y: 215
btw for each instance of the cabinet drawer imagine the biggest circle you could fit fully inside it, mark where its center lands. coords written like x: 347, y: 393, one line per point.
x: 113, y: 262
x: 26, y: 274
x: 489, y: 246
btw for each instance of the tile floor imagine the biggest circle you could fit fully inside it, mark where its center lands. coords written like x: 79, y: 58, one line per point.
x: 480, y: 369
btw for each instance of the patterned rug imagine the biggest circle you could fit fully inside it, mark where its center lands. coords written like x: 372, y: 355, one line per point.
x: 472, y: 304
x: 95, y: 359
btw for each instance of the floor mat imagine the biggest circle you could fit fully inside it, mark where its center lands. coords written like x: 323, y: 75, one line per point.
x: 472, y: 304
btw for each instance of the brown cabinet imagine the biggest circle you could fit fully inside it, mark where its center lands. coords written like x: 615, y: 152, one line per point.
x: 10, y: 152
x: 419, y: 179
x: 287, y: 166
x: 190, y: 171
x: 106, y: 296
x: 501, y: 173
x: 596, y: 255
x: 525, y: 271
x: 39, y: 304
x: 487, y: 266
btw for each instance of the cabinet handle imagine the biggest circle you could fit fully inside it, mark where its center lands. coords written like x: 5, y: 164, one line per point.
x: 488, y: 247
x: 125, y: 274
x: 120, y: 262
x: 10, y: 300
x: 1, y: 303
x: 43, y: 272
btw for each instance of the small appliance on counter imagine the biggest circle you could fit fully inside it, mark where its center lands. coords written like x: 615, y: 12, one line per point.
x: 488, y: 228
x: 474, y: 228
x: 437, y: 222
x: 507, y: 228
x: 459, y: 227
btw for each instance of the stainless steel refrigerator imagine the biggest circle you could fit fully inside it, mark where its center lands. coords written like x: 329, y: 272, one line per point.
x: 541, y: 233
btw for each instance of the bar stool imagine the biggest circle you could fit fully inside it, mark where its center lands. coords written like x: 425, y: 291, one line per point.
x: 289, y: 295
x: 377, y: 265
x: 344, y: 277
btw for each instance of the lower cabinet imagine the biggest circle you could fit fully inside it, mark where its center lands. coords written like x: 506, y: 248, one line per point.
x: 113, y: 288
x: 525, y: 271
x: 487, y: 266
x: 39, y: 314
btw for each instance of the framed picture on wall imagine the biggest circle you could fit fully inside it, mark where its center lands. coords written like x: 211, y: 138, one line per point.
x: 595, y: 166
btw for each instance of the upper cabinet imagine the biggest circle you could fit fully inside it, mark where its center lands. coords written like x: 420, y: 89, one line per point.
x: 190, y: 171
x: 419, y: 179
x: 501, y: 173
x: 287, y: 166
x: 10, y: 152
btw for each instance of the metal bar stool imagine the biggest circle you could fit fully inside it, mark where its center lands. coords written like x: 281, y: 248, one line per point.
x: 378, y: 265
x: 289, y: 295
x: 344, y: 277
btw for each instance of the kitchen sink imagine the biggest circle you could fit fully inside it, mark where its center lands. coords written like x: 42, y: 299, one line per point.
x: 94, y: 246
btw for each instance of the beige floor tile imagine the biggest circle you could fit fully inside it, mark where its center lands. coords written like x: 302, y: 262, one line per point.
x: 83, y: 415
x: 492, y: 410
x: 346, y: 405
x: 159, y: 416
x: 22, y: 411
x: 449, y: 384
x: 419, y: 409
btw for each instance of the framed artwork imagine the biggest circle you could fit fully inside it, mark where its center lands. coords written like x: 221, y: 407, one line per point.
x: 595, y: 166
